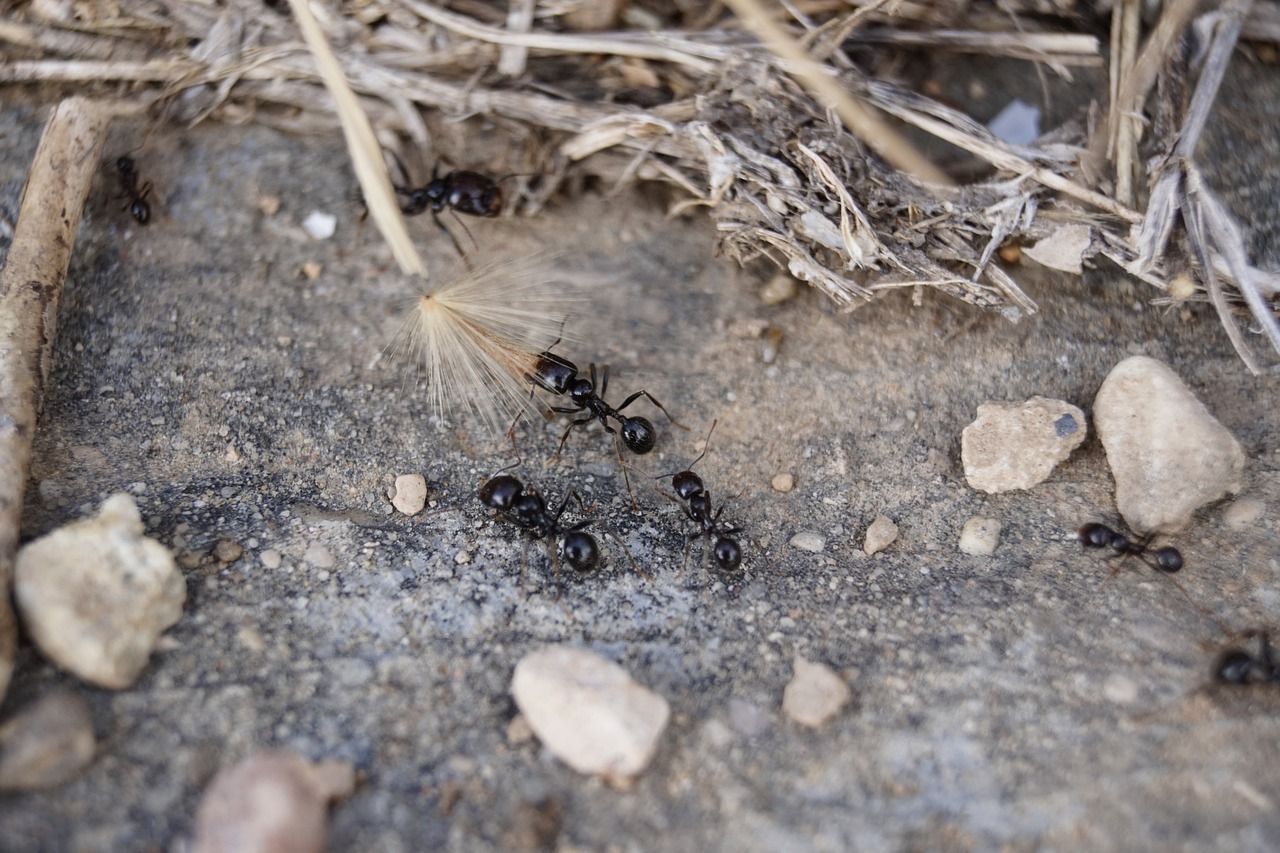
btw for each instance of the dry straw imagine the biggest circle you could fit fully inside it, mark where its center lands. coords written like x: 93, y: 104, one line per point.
x: 756, y: 114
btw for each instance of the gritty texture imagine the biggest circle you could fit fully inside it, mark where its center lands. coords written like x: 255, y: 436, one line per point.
x: 981, y: 720
x: 1017, y: 445
x: 589, y: 712
x: 1168, y: 454
x: 96, y: 594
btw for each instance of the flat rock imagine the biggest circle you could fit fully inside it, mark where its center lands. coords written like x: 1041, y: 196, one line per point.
x: 807, y: 540
x: 96, y: 594
x: 47, y: 743
x: 410, y: 494
x: 980, y: 536
x: 1168, y: 454
x: 272, y: 802
x: 1017, y: 445
x: 815, y: 693
x: 589, y: 712
x: 881, y: 533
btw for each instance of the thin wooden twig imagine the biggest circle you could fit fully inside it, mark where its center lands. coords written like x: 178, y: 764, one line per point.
x: 30, y: 288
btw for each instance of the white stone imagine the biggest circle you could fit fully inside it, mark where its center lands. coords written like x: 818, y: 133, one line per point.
x: 320, y: 225
x: 318, y: 556
x: 272, y: 802
x: 783, y: 482
x: 815, y: 693
x: 1169, y: 456
x: 410, y: 494
x: 809, y: 541
x: 1243, y: 512
x: 271, y: 558
x: 1063, y: 249
x: 96, y: 594
x: 1017, y: 445
x: 589, y: 712
x: 980, y: 536
x: 881, y: 533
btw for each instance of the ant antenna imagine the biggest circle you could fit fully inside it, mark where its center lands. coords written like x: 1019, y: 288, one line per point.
x: 706, y: 443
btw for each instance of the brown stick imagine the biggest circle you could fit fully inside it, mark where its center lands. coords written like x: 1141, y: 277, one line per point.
x: 30, y: 287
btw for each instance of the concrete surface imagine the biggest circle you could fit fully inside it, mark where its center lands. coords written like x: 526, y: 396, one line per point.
x: 1019, y: 701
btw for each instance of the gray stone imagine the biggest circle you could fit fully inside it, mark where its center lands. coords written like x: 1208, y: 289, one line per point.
x: 807, y: 540
x: 1168, y: 454
x: 272, y: 802
x: 47, y: 743
x: 815, y: 694
x: 1017, y: 445
x: 589, y: 712
x: 980, y: 536
x: 96, y: 594
x: 881, y: 533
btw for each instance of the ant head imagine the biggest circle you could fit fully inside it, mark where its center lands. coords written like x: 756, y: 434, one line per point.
x: 501, y: 492
x: 727, y: 554
x: 1168, y: 559
x: 553, y: 373
x: 436, y: 192
x: 1234, y: 667
x: 140, y: 210
x: 1094, y: 535
x: 686, y: 484
x: 528, y: 507
x: 581, y: 551
x: 638, y: 435
x: 581, y: 389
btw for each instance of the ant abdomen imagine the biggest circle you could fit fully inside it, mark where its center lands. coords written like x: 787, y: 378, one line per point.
x: 581, y: 551
x: 727, y: 554
x: 1094, y: 535
x: 1234, y: 667
x: 639, y: 435
x: 1168, y: 559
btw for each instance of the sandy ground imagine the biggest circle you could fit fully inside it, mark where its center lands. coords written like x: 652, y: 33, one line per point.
x: 1022, y: 700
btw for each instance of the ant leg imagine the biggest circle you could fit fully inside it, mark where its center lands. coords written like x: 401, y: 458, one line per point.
x: 145, y: 191
x: 635, y: 505
x: 467, y: 231
x: 654, y: 400
x: 524, y: 566
x: 604, y: 379
x: 564, y: 503
x: 569, y: 429
x: 456, y: 245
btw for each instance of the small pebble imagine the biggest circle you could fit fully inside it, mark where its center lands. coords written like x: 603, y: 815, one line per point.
x: 1242, y: 513
x: 228, y: 550
x: 779, y: 289
x: 809, y: 541
x: 96, y: 594
x: 320, y: 226
x: 589, y: 712
x: 270, y: 558
x: 47, y: 743
x: 1017, y: 445
x: 1120, y: 689
x: 410, y: 494
x: 318, y: 556
x: 518, y: 730
x: 272, y: 802
x: 783, y: 482
x: 815, y: 693
x: 311, y: 270
x: 980, y: 536
x: 881, y: 533
x: 269, y: 204
x: 462, y: 558
x: 1168, y: 454
x: 748, y: 719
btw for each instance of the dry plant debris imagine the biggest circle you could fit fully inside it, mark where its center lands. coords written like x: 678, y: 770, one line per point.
x: 756, y: 112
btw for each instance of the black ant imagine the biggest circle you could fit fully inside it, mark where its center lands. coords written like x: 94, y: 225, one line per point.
x: 138, y: 207
x: 560, y: 376
x: 1166, y: 559
x: 726, y: 553
x: 527, y: 510
x: 460, y: 191
x: 1238, y: 666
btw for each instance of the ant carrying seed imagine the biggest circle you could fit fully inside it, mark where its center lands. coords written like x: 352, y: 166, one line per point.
x: 1165, y: 559
x: 726, y: 553
x: 137, y: 205
x: 1239, y: 666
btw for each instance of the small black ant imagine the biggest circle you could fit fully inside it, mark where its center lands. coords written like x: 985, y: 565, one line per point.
x: 527, y: 510
x: 138, y: 207
x: 460, y: 191
x: 726, y: 553
x: 1238, y: 666
x: 1166, y: 559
